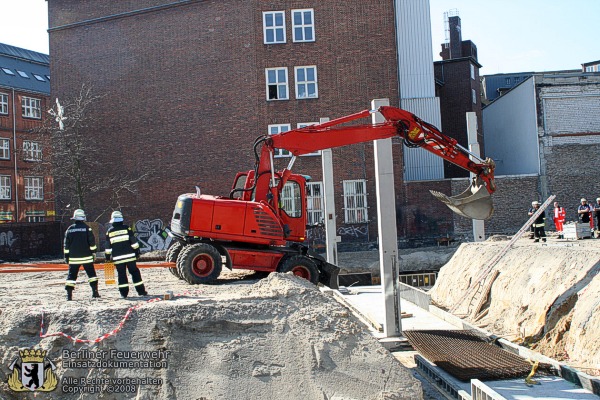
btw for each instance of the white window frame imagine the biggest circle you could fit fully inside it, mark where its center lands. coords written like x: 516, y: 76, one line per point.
x: 474, y: 96
x: 32, y: 151
x: 304, y: 125
x: 4, y: 103
x: 5, y: 187
x: 306, y: 82
x: 31, y: 107
x: 472, y: 71
x: 34, y: 188
x: 290, y: 200
x: 355, y: 201
x: 36, y: 218
x: 315, y: 203
x: 4, y: 149
x: 279, y: 84
x: 275, y: 129
x: 303, y: 26
x: 274, y: 28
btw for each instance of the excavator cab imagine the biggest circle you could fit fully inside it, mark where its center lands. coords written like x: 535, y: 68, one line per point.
x: 474, y: 203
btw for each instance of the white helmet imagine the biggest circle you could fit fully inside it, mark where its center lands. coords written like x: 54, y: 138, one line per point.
x: 116, y: 216
x: 79, y: 215
x: 582, y: 200
x: 535, y: 203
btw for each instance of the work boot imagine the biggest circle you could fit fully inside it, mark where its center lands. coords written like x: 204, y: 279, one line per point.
x: 69, y: 293
x: 536, y: 240
x: 544, y: 240
x: 141, y: 290
x: 124, y: 292
x: 94, y: 286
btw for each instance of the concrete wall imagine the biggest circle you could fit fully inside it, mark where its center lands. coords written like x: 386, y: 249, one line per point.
x: 510, y: 129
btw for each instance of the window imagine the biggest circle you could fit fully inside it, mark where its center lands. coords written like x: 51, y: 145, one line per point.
x: 5, y: 187
x: 517, y: 79
x: 39, y: 78
x: 355, y: 201
x: 507, y: 81
x: 34, y: 188
x: 32, y: 151
x: 277, y: 83
x: 291, y: 202
x: 36, y: 219
x: 274, y: 27
x: 314, y: 203
x: 23, y: 74
x: 472, y: 71
x: 474, y: 96
x: 275, y: 129
x: 3, y: 103
x: 306, y: 82
x: 31, y: 107
x: 8, y: 71
x: 303, y: 125
x: 303, y: 25
x: 4, y: 149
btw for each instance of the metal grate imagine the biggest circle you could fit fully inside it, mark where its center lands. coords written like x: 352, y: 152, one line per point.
x: 466, y: 355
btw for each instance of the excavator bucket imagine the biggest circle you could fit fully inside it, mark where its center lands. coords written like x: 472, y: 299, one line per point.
x: 473, y: 203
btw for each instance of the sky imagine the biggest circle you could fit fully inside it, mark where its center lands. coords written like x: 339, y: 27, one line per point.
x: 510, y: 35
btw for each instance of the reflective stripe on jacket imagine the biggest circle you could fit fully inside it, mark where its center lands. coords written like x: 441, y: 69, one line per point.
x: 80, y: 243
x: 121, y: 244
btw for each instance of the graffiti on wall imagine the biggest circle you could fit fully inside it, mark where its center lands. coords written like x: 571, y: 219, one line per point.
x: 353, y: 233
x: 315, y: 237
x: 152, y: 235
x: 26, y: 240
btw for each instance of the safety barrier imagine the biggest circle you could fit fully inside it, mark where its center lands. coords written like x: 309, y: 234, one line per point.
x: 424, y: 279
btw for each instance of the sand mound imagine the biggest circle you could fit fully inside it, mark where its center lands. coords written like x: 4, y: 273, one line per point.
x: 544, y: 295
x: 271, y: 339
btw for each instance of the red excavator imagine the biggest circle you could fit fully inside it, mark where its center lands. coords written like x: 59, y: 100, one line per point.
x: 254, y: 229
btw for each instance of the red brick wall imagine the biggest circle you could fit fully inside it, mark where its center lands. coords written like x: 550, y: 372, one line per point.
x: 184, y: 87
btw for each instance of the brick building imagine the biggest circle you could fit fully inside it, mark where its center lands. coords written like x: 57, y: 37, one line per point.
x: 546, y: 131
x: 459, y: 90
x: 26, y: 194
x: 187, y: 86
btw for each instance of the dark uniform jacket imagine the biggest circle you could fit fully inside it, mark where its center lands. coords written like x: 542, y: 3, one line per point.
x: 80, y: 244
x: 540, y: 220
x: 121, y: 245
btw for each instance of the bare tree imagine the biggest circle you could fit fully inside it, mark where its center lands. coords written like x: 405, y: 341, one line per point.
x: 75, y: 158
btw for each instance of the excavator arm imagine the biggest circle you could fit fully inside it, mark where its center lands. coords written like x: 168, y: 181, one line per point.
x: 475, y: 202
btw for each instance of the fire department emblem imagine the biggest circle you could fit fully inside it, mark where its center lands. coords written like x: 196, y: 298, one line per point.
x: 32, y: 371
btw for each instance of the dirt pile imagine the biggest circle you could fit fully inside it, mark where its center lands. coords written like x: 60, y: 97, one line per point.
x: 276, y: 338
x: 545, y: 295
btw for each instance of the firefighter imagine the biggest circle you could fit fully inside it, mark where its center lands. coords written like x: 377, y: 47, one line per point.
x: 79, y: 248
x: 559, y: 219
x: 539, y: 224
x: 597, y: 215
x: 531, y: 211
x: 123, y: 248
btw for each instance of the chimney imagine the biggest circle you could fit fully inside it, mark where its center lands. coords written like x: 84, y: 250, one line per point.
x: 455, y: 37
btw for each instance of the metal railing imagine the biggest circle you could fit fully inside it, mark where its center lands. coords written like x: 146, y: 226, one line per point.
x: 426, y: 279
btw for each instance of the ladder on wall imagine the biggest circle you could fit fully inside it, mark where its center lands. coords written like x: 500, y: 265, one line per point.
x: 478, y: 286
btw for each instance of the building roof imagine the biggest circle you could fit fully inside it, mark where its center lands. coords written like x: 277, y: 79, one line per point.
x: 24, y: 69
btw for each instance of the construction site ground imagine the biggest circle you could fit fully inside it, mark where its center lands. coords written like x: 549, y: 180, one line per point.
x: 277, y: 337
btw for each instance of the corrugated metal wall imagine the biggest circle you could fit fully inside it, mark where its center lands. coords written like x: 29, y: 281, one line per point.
x: 417, y: 86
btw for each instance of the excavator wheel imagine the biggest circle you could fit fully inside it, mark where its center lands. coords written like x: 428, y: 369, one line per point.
x: 300, y: 266
x: 199, y: 263
x: 172, y: 254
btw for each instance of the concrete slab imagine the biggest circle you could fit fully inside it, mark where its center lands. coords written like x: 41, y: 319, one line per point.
x: 550, y: 388
x: 369, y: 300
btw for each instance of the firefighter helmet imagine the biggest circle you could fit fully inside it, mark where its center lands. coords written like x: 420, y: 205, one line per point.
x: 79, y: 215
x: 582, y: 200
x: 116, y: 216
